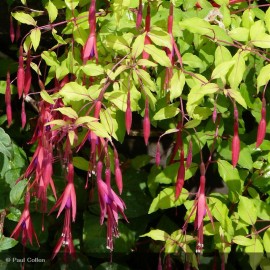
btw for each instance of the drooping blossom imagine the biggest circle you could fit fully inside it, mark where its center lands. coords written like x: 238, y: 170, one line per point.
x: 20, y: 73
x: 118, y: 172
x: 25, y: 227
x: 68, y: 197
x: 146, y: 123
x: 28, y: 75
x: 110, y: 206
x: 147, y: 39
x: 262, y: 125
x: 90, y: 48
x: 11, y: 30
x: 139, y: 15
x: 235, y: 140
x: 180, y: 175
x: 65, y: 239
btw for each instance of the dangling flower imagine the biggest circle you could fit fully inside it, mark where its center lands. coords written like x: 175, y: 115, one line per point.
x: 110, y: 206
x: 68, y: 197
x: 65, y: 239
x: 235, y: 140
x: 25, y: 226
x: 180, y: 176
x: 20, y: 74
x: 139, y: 15
x: 262, y: 125
x: 8, y: 100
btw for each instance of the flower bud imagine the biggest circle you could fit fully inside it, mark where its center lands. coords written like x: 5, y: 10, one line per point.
x: 139, y: 15
x: 235, y: 145
x: 11, y: 30
x: 262, y: 125
x: 23, y: 115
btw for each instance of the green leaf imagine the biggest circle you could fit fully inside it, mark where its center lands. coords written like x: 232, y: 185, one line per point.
x: 243, y: 240
x: 58, y: 38
x: 16, y: 193
x: 50, y: 58
x: 177, y: 84
x: 146, y: 79
x: 7, y: 243
x: 236, y: 95
x: 263, y: 76
x: 24, y: 18
x: 52, y: 11
x: 98, y: 129
x: 222, y: 69
x: 239, y: 34
x: 138, y: 45
x: 160, y: 37
x: 230, y: 175
x: 166, y: 199
x: 157, y: 235
x: 237, y: 72
x: 222, y: 54
x: 73, y: 91
x: 45, y: 96
x: 72, y: 4
x: 35, y: 37
x: 255, y: 253
x: 85, y: 120
x: 166, y: 112
x: 192, y: 61
x: 249, y: 216
x: 5, y: 144
x: 92, y: 69
x: 196, y: 26
x: 266, y: 242
x: 158, y: 55
x: 68, y: 111
x: 81, y: 163
x: 192, y: 123
x: 146, y: 63
x: 262, y: 41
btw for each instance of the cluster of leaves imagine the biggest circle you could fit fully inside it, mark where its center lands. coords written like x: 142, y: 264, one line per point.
x: 194, y: 71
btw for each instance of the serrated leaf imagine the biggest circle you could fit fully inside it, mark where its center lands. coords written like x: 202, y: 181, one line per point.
x: 16, y: 193
x: 35, y: 37
x: 166, y: 199
x: 249, y: 216
x: 24, y: 18
x: 158, y: 55
x: 68, y: 111
x: 92, y: 69
x: 157, y: 235
x: 166, y: 112
x: 52, y: 10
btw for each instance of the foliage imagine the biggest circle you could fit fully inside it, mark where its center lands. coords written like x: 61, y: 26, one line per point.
x: 196, y: 75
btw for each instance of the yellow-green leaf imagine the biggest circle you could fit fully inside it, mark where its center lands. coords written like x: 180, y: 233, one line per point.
x: 52, y: 11
x: 157, y: 235
x: 158, y: 55
x: 68, y: 111
x: 24, y: 18
x: 45, y: 96
x: 35, y: 37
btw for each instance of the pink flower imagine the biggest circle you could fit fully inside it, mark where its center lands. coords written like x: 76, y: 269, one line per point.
x: 25, y: 226
x: 110, y: 206
x: 68, y: 197
x: 180, y: 176
x: 8, y: 100
x: 65, y: 239
x: 262, y: 125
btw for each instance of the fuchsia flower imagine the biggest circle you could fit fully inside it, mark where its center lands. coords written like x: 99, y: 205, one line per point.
x: 65, y: 239
x: 110, y: 206
x: 90, y: 48
x: 146, y: 123
x: 180, y: 175
x: 262, y: 125
x: 147, y: 39
x: 68, y: 197
x: 20, y: 74
x: 128, y: 114
x: 28, y: 75
x: 235, y: 140
x: 25, y: 226
x: 139, y: 15
x: 11, y: 30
